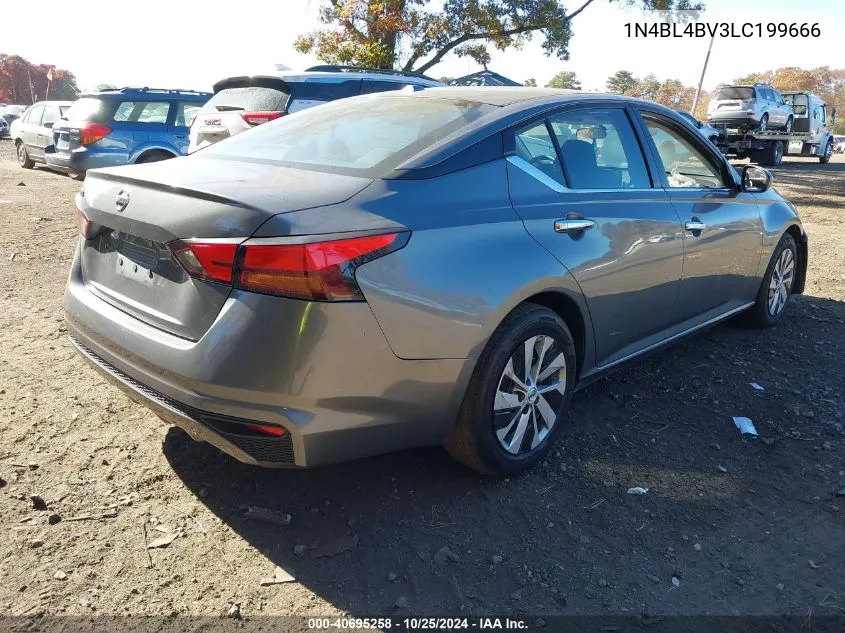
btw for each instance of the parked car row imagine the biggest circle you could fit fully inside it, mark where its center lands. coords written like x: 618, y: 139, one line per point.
x: 141, y: 125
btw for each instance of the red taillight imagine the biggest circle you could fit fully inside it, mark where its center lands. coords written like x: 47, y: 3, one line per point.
x: 87, y: 228
x: 93, y: 132
x: 319, y: 271
x: 257, y: 118
x: 316, y: 271
x: 209, y: 260
x: 266, y: 429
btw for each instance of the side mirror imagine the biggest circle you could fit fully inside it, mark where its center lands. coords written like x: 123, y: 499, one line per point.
x: 755, y: 179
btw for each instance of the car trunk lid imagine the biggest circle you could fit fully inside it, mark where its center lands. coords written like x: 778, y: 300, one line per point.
x: 140, y: 210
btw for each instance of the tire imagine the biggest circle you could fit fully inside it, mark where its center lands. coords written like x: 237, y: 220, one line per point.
x: 824, y: 159
x: 788, y: 127
x: 153, y: 157
x: 764, y: 122
x: 77, y: 175
x: 761, y: 315
x: 23, y: 156
x: 488, y: 441
x: 772, y: 156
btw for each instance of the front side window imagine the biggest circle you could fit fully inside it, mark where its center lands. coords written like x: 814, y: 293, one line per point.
x: 367, y: 136
x: 142, y: 112
x: 599, y: 150
x: 34, y: 116
x: 683, y: 163
x: 534, y: 144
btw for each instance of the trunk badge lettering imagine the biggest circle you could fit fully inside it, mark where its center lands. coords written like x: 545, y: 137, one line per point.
x: 121, y: 201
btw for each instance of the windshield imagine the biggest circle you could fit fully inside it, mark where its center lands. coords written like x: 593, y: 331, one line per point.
x: 84, y: 110
x: 798, y: 103
x: 734, y: 92
x: 364, y: 136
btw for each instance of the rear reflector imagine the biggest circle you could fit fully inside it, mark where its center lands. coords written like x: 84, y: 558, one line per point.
x: 266, y: 429
x: 210, y: 260
x: 316, y: 271
x: 319, y: 271
x: 93, y: 132
x: 257, y: 118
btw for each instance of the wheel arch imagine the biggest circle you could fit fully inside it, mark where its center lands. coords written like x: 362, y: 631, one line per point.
x: 801, y: 243
x: 573, y: 315
x: 154, y: 149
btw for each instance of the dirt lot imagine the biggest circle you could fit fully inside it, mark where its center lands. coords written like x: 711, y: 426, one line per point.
x: 746, y: 527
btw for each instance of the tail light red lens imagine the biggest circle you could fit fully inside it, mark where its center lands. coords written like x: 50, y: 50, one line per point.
x: 317, y: 271
x: 88, y: 229
x: 257, y: 118
x: 210, y: 260
x: 266, y: 429
x: 93, y: 132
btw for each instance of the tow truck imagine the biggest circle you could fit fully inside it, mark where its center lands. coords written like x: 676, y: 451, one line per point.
x: 811, y: 134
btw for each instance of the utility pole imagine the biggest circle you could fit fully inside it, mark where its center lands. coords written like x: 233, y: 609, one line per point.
x: 31, y: 92
x: 703, y: 70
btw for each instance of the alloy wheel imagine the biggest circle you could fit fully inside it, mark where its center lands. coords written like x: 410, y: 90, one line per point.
x: 780, y: 284
x: 529, y: 394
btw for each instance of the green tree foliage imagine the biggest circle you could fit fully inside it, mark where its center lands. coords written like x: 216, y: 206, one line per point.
x: 417, y: 34
x: 622, y: 82
x: 530, y: 83
x: 16, y: 74
x: 671, y: 92
x: 565, y: 79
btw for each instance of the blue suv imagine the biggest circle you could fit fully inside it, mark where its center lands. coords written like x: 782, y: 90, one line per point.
x: 123, y: 127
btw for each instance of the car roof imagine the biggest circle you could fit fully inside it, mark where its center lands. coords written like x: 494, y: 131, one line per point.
x: 515, y: 95
x: 150, y: 93
x: 352, y: 75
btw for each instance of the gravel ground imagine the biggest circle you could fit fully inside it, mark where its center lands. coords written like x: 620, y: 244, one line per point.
x: 745, y: 527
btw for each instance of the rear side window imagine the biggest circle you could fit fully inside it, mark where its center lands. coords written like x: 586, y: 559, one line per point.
x: 534, y: 144
x: 734, y: 92
x: 51, y: 114
x: 248, y: 99
x: 369, y: 86
x: 185, y: 113
x: 600, y: 150
x: 142, y: 112
x: 86, y: 109
x: 325, y: 91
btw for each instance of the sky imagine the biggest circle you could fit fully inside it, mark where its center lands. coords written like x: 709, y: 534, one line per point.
x: 193, y: 45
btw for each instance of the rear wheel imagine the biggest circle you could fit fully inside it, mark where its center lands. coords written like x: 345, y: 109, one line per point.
x: 772, y: 156
x: 764, y: 122
x: 77, y: 175
x: 776, y: 287
x: 153, y: 157
x: 23, y: 156
x: 517, y: 399
x: 824, y: 159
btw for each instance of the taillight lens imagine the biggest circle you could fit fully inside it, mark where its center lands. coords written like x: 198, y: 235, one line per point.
x: 266, y: 429
x: 257, y: 118
x: 93, y: 132
x: 209, y: 260
x: 87, y: 228
x: 317, y: 271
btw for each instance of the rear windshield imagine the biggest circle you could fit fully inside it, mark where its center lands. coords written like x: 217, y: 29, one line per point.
x: 798, y: 103
x: 734, y: 92
x: 252, y: 99
x: 14, y: 109
x: 86, y: 109
x: 366, y: 136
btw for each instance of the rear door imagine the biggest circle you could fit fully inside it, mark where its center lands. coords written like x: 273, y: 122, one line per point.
x: 137, y: 122
x: 722, y: 228
x: 183, y: 115
x: 580, y: 183
x: 44, y: 137
x: 30, y: 124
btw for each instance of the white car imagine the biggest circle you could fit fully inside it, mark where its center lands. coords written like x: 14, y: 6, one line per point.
x: 839, y: 144
x: 240, y: 103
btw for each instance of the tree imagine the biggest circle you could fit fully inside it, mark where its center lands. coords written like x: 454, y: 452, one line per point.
x: 564, y: 79
x: 530, y: 83
x: 21, y: 81
x: 417, y: 34
x: 622, y: 82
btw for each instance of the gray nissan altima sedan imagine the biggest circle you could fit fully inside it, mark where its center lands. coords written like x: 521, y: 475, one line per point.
x: 415, y: 268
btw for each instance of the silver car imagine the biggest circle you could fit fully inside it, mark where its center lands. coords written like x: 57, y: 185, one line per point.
x: 757, y: 107
x: 408, y: 269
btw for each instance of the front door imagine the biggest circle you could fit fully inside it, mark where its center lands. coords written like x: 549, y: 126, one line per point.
x: 579, y: 181
x: 29, y: 130
x: 722, y: 226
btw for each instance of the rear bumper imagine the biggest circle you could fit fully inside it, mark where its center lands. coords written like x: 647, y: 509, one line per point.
x: 80, y: 161
x: 734, y: 118
x: 322, y: 371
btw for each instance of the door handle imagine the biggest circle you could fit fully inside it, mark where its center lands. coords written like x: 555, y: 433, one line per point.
x: 572, y: 226
x: 695, y: 226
